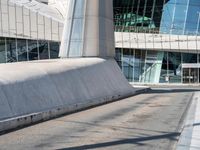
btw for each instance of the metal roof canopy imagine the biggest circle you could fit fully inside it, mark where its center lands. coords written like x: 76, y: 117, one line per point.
x: 192, y: 65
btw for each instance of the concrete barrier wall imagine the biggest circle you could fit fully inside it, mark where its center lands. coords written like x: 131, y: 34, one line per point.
x: 44, y: 89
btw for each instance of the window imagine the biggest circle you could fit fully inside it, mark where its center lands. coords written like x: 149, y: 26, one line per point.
x: 2, y: 51
x: 33, y: 50
x: 11, y: 50
x: 54, y: 50
x: 22, y: 50
x: 43, y: 50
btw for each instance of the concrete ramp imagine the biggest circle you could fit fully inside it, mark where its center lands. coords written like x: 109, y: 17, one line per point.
x: 39, y: 90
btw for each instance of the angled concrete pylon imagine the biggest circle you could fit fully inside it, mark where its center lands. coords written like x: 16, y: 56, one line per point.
x: 89, y: 30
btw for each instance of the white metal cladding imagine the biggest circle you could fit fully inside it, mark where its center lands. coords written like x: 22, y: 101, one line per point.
x: 167, y: 42
x: 88, y: 29
x: 60, y: 5
x: 30, y: 20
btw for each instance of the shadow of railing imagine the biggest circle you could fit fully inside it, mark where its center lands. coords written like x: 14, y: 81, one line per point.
x: 138, y: 141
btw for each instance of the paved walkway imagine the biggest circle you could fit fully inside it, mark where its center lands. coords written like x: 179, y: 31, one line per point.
x: 195, y: 142
x: 190, y: 137
x: 148, y: 121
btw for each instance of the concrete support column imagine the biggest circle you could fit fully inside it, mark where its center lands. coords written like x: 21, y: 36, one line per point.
x: 89, y: 30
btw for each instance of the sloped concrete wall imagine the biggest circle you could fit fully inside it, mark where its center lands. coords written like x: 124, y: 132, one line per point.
x: 41, y: 86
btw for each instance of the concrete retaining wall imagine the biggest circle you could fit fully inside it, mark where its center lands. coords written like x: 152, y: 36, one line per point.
x: 39, y: 90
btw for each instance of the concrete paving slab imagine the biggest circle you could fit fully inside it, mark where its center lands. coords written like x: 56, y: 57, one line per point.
x: 147, y: 121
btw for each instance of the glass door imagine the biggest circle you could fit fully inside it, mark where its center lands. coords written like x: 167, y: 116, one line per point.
x: 194, y: 75
x: 186, y: 74
x: 191, y: 75
x: 199, y: 76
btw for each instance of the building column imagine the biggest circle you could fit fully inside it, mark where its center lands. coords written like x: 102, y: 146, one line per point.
x: 88, y: 30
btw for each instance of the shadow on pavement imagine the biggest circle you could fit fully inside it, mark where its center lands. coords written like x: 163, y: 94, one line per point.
x: 157, y: 91
x: 115, y: 127
x: 171, y: 136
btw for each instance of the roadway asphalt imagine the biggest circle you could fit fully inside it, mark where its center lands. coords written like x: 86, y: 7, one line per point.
x: 150, y: 121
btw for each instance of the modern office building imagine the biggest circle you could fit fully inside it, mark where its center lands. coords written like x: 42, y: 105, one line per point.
x: 29, y: 30
x: 157, y: 41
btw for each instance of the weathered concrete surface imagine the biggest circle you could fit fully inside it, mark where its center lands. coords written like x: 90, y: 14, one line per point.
x: 44, y: 89
x: 148, y: 121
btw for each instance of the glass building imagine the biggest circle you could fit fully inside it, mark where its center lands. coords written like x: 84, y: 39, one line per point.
x: 16, y: 50
x: 157, y: 41
x: 29, y: 30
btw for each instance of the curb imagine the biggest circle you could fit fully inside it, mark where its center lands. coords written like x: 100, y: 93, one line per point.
x: 184, y: 142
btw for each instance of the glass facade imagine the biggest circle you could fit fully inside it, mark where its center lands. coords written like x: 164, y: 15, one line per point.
x: 181, y: 17
x: 76, y: 39
x: 166, y: 37
x: 138, y: 15
x: 151, y: 67
x: 2, y: 50
x: 16, y: 50
x: 157, y: 16
x: 30, y: 20
x: 156, y: 38
x: 11, y: 53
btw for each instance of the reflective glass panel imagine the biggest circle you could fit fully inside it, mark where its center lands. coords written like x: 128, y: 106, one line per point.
x: 193, y: 18
x: 154, y: 67
x: 75, y: 48
x: 22, y: 50
x: 128, y: 64
x: 189, y: 58
x: 164, y: 78
x: 180, y: 12
x: 157, y: 16
x: 32, y: 50
x: 43, y: 50
x: 79, y: 8
x: 139, y: 65
x: 2, y: 51
x: 174, y: 67
x: 199, y: 58
x: 137, y: 15
x: 11, y: 50
x: 77, y: 29
x: 118, y: 54
x: 54, y: 49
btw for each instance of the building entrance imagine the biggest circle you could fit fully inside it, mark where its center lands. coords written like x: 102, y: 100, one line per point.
x: 191, y: 73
